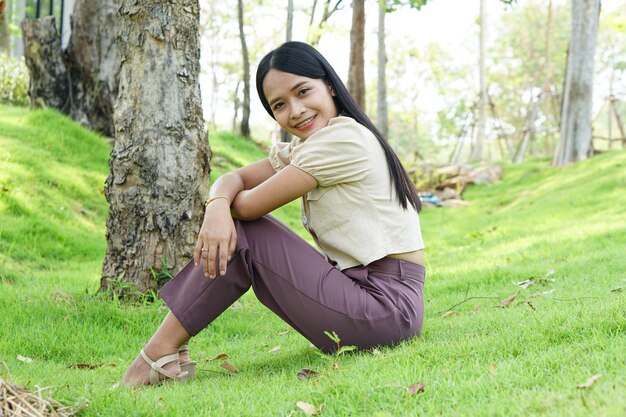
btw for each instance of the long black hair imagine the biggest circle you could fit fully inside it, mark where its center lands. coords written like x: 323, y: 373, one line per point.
x: 302, y: 59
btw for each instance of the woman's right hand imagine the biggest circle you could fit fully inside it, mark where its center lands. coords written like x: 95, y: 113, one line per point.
x: 217, y: 238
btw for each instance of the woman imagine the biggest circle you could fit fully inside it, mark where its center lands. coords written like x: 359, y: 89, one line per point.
x: 358, y: 204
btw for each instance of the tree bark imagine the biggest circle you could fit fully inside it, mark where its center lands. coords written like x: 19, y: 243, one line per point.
x: 159, y: 167
x: 356, y: 76
x: 90, y: 64
x: 382, y: 81
x: 245, y: 116
x: 49, y: 82
x: 93, y: 63
x: 575, y: 130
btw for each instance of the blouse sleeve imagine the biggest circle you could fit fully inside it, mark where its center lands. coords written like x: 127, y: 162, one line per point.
x: 279, y: 155
x: 333, y: 156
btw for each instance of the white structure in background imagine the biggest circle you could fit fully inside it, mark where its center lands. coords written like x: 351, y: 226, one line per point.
x: 19, y: 13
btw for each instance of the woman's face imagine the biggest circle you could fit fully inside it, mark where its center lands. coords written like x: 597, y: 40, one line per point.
x: 300, y: 105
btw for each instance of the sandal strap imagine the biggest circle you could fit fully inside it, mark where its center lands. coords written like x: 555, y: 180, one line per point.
x: 183, y: 348
x: 157, y: 367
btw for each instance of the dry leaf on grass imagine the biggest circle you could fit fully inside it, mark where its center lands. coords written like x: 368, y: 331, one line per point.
x: 89, y: 365
x: 507, y: 301
x: 416, y: 388
x: 24, y: 359
x: 283, y: 332
x: 449, y: 313
x: 493, y: 368
x: 306, y: 373
x: 525, y: 284
x: 592, y: 380
x: 230, y: 368
x: 274, y: 349
x: 219, y: 356
x: 476, y: 309
x: 309, y: 409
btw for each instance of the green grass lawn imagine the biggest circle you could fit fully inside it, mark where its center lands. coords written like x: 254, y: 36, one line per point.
x: 563, y: 228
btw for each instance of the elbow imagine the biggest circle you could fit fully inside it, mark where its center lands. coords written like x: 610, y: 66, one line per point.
x: 243, y: 210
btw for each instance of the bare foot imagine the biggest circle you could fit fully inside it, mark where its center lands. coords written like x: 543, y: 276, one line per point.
x: 138, y: 373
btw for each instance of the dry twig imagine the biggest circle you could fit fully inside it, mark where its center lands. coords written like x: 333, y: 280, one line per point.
x: 17, y: 401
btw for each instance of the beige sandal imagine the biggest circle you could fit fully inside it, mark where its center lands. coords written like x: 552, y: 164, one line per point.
x: 189, y: 367
x: 157, y: 369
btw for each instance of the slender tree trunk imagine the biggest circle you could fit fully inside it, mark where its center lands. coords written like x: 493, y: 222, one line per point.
x: 382, y: 64
x: 159, y: 168
x: 245, y: 117
x: 289, y: 20
x: 5, y: 35
x: 356, y: 76
x: 477, y: 150
x: 575, y: 131
x: 284, y: 135
x: 315, y: 31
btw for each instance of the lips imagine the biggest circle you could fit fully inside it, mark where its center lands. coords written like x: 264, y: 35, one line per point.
x: 305, y: 124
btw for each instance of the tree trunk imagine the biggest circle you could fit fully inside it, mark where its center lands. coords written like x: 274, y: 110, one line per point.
x: 245, y: 117
x: 159, y: 168
x: 90, y: 64
x: 5, y: 35
x: 289, y: 20
x: 382, y: 82
x: 284, y: 135
x: 93, y: 63
x: 477, y: 150
x: 49, y: 83
x: 356, y: 76
x: 575, y: 130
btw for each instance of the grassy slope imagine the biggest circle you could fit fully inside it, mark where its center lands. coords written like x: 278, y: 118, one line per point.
x: 523, y: 360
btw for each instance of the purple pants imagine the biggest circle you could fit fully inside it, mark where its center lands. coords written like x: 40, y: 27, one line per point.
x: 379, y: 304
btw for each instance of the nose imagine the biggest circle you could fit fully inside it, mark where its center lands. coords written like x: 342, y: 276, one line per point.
x: 297, y: 109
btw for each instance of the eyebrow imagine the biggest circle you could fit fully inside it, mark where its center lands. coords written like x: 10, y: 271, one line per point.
x: 295, y: 87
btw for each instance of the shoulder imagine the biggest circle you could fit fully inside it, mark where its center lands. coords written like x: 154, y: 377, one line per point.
x: 340, y: 127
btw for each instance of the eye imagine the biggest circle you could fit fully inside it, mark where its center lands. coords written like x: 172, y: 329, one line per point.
x: 278, y: 106
x: 303, y: 91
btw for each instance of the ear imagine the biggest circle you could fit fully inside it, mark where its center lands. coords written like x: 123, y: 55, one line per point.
x: 332, y: 90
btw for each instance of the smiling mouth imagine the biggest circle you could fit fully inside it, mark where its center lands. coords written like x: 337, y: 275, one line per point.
x: 305, y: 123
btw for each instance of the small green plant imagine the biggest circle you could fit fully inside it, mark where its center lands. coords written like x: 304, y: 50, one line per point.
x: 13, y: 81
x: 161, y: 276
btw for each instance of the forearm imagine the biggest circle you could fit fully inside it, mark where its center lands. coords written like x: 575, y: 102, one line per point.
x: 231, y: 186
x: 228, y: 185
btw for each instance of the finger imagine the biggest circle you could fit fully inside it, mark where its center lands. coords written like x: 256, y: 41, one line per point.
x: 223, y: 258
x: 197, y: 252
x: 205, y: 261
x: 232, y: 245
x: 212, y: 260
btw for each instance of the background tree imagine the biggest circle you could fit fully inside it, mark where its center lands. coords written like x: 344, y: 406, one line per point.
x: 84, y: 77
x: 483, y: 101
x: 316, y: 28
x: 159, y: 166
x: 381, y: 100
x: 245, y: 118
x: 575, y: 130
x: 5, y: 35
x: 356, y: 75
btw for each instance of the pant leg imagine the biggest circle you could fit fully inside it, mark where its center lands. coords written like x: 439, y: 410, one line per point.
x: 292, y: 279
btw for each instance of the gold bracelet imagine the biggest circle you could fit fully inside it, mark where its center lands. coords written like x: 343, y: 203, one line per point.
x: 210, y: 200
